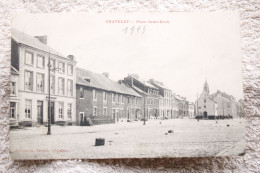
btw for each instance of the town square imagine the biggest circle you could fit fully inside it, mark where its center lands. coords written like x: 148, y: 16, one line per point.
x: 132, y: 139
x: 130, y: 98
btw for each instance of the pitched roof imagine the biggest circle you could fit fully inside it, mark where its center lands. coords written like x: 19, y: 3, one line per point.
x: 146, y: 83
x: 21, y: 37
x: 100, y: 81
x: 160, y: 86
x: 223, y: 94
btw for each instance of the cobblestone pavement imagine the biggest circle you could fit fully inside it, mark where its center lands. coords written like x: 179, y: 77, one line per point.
x: 130, y: 140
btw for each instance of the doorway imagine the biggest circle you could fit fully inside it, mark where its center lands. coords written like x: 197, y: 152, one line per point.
x: 205, y: 115
x: 40, y: 112
x: 52, y: 113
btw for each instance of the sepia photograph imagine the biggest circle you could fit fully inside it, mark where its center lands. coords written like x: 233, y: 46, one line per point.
x: 126, y: 85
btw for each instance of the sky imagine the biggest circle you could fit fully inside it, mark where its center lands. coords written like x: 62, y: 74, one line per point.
x: 182, y: 50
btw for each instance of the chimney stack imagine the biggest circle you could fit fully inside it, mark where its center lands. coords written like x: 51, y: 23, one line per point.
x: 106, y: 74
x: 71, y: 57
x: 42, y: 38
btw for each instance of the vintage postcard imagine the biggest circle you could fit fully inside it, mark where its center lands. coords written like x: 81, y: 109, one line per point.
x: 126, y: 85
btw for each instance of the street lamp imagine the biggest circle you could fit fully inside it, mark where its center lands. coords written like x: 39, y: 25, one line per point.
x: 49, y: 100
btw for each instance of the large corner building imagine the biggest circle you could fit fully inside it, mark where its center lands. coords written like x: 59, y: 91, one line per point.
x: 30, y: 84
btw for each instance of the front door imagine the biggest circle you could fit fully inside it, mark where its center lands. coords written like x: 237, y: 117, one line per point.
x: 81, y: 115
x: 52, y: 113
x: 40, y: 112
x: 205, y: 115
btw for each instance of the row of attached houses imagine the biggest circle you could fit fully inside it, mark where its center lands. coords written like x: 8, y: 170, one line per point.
x: 79, y: 96
x: 101, y: 100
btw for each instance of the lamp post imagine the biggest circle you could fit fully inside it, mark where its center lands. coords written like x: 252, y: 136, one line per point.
x: 49, y: 93
x: 49, y: 103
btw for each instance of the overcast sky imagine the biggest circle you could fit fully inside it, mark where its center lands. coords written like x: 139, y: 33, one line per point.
x: 181, y: 53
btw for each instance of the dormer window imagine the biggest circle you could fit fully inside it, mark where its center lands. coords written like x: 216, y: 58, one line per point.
x: 87, y: 79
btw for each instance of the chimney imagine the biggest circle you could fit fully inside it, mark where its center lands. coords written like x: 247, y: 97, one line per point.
x: 136, y: 76
x: 106, y: 74
x: 71, y: 57
x: 151, y: 80
x: 42, y: 38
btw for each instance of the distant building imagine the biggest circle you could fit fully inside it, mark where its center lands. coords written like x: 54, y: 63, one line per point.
x: 150, y: 96
x: 183, y: 107
x: 191, y: 109
x: 207, y: 107
x: 240, y: 108
x: 174, y: 106
x: 227, y: 105
x: 216, y: 106
x: 101, y: 100
x: 30, y: 84
x: 165, y: 107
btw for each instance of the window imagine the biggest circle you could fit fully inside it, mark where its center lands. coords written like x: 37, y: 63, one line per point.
x: 28, y: 109
x: 104, y: 111
x: 94, y: 111
x: 105, y: 96
x: 69, y: 111
x: 12, y: 109
x: 118, y: 98
x: 61, y: 108
x: 40, y: 61
x: 52, y: 63
x: 94, y: 95
x: 228, y: 105
x: 70, y: 87
x: 113, y: 97
x: 133, y: 111
x: 61, y: 67
x: 114, y: 113
x: 204, y: 100
x: 121, y: 98
x: 28, y: 58
x: 204, y: 106
x: 61, y: 86
x: 28, y: 81
x: 128, y: 100
x: 135, y: 100
x: 13, y: 88
x: 70, y: 69
x: 40, y: 82
x: 81, y: 93
x: 52, y: 85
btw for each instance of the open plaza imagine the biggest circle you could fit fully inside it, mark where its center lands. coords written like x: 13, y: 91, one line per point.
x: 190, y: 137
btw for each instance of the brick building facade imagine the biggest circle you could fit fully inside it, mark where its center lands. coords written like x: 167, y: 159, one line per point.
x: 150, y: 96
x: 101, y: 100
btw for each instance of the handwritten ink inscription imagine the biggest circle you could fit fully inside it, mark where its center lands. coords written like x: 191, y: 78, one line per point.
x: 136, y: 26
x: 134, y: 29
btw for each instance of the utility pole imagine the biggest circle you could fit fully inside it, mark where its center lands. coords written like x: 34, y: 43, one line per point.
x: 49, y: 109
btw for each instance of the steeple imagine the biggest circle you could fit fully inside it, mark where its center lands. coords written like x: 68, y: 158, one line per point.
x: 206, y: 87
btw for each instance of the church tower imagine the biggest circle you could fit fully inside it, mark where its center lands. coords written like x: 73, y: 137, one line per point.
x: 206, y: 88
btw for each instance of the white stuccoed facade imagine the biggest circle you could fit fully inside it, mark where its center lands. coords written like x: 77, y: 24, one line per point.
x: 33, y: 102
